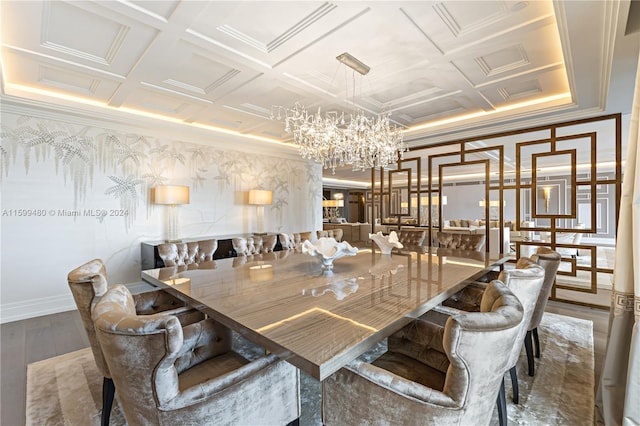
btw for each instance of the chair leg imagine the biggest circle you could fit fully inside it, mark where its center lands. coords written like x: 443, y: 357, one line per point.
x: 536, y: 341
x: 502, y: 405
x: 529, y: 349
x: 108, y: 391
x: 514, y: 384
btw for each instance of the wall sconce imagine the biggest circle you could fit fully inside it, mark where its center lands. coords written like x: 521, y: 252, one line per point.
x: 260, y: 198
x: 546, y: 191
x: 171, y: 195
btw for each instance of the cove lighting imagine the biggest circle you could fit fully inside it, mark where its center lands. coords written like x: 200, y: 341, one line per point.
x: 463, y: 117
x: 141, y: 113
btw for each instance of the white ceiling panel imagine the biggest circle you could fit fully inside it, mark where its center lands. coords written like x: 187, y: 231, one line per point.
x: 512, y: 57
x: 270, y: 32
x: 202, y: 76
x: 107, y: 35
x: 30, y: 70
x: 154, y: 100
x: 436, y: 109
x: 547, y: 83
x: 456, y: 25
x: 160, y: 8
x: 228, y: 63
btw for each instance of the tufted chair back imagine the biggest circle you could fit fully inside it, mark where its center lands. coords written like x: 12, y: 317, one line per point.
x: 525, y: 281
x: 550, y: 261
x: 469, y: 337
x: 240, y: 246
x: 88, y: 283
x: 269, y: 243
x: 287, y: 241
x: 144, y: 352
x: 336, y: 234
x: 304, y: 236
x: 179, y: 254
x: 411, y: 237
x: 293, y: 239
x: 460, y: 241
x: 173, y: 254
x: 206, y: 250
x: 257, y: 244
x: 168, y: 374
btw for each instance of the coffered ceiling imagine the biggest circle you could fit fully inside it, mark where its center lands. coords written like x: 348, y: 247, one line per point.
x: 441, y: 68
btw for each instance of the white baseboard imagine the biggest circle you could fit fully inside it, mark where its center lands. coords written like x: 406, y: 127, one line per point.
x: 36, y: 307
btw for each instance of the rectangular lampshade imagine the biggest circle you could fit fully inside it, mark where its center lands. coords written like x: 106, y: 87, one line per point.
x: 171, y: 194
x: 260, y: 197
x: 332, y: 203
x: 492, y: 203
x: 436, y: 200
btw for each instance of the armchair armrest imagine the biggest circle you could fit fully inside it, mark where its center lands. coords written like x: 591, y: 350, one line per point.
x: 208, y: 388
x: 446, y: 310
x: 158, y: 301
x: 153, y: 302
x: 398, y: 384
x: 468, y: 299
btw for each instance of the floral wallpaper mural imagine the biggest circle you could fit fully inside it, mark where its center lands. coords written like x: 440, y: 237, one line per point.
x: 135, y: 163
x: 76, y: 192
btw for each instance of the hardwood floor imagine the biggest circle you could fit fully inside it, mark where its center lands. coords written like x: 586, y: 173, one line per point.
x: 27, y: 341
x: 35, y: 339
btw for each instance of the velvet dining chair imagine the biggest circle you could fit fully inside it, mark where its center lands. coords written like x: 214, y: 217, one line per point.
x: 414, y: 384
x: 170, y: 374
x: 550, y: 261
x: 88, y: 283
x: 525, y: 280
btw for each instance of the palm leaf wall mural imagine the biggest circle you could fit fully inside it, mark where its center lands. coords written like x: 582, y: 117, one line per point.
x: 126, y: 165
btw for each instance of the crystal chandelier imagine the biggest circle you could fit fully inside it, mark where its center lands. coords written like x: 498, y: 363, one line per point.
x: 334, y: 141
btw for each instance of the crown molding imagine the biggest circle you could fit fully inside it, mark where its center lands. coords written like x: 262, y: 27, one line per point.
x: 499, y: 125
x: 126, y: 122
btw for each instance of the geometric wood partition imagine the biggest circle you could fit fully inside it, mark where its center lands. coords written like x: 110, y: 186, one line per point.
x: 557, y: 186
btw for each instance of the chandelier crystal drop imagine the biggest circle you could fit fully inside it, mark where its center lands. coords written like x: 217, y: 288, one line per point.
x: 334, y: 141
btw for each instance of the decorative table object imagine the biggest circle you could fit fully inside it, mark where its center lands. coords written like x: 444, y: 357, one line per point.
x: 340, y: 289
x: 386, y: 243
x: 328, y: 250
x: 385, y: 266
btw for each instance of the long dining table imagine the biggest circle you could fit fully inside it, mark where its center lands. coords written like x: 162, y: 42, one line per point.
x: 320, y: 320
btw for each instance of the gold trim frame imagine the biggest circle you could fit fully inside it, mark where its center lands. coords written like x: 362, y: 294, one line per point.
x: 591, y: 185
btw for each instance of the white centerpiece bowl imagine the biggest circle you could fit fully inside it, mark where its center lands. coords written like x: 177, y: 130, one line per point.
x: 386, y: 243
x: 328, y: 250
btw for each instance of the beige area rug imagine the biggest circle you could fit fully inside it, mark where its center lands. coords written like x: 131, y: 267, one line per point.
x: 66, y: 390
